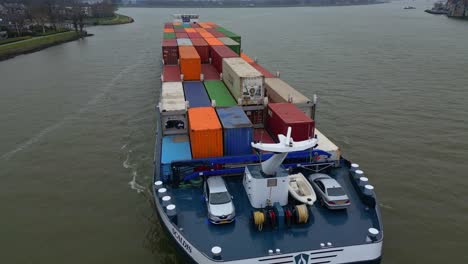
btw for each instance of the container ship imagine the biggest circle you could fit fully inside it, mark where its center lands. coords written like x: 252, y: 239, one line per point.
x: 242, y: 175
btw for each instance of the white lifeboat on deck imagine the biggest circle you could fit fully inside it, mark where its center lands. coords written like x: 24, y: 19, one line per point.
x: 300, y: 189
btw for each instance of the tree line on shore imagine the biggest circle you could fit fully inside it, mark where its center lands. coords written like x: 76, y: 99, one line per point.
x: 32, y: 17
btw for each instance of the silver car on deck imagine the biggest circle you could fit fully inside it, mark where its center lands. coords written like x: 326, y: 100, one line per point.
x: 218, y: 201
x: 329, y: 191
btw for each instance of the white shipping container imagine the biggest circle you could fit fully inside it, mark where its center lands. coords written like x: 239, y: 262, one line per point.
x: 184, y: 42
x: 244, y: 81
x: 172, y: 90
x: 173, y: 109
x: 325, y: 144
x: 279, y: 91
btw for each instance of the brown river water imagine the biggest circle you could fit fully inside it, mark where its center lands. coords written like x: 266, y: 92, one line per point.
x: 77, y: 127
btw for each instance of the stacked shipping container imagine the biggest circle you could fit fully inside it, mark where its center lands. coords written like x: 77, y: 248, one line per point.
x: 237, y: 131
x: 190, y: 63
x: 174, y: 148
x: 195, y: 95
x: 206, y: 52
x: 206, y: 135
x: 244, y: 81
x: 219, y: 94
x: 283, y: 115
x: 279, y: 91
x: 173, y: 109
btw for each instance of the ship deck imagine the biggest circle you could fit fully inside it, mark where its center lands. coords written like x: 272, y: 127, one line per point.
x: 242, y: 240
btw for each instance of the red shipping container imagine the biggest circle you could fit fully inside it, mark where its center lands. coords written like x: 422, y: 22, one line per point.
x: 262, y: 70
x: 179, y: 30
x: 202, y: 48
x: 215, y: 33
x: 171, y: 73
x: 209, y: 72
x: 280, y: 116
x: 193, y: 35
x: 256, y: 117
x: 261, y: 135
x: 181, y: 35
x: 168, y: 25
x: 170, y: 52
x: 218, y: 53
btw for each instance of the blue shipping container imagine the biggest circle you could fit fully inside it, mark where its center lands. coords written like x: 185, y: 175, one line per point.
x: 174, y: 148
x: 196, y: 95
x: 237, y: 131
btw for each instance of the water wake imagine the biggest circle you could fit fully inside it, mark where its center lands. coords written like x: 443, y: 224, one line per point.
x: 126, y: 164
x: 85, y: 108
x: 134, y: 185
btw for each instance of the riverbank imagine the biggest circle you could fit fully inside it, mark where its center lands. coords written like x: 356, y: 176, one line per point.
x: 117, y: 19
x: 30, y: 45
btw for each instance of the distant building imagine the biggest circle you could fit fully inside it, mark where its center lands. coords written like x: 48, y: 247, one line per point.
x: 3, y: 35
x: 13, y: 8
x: 3, y: 10
x: 92, y: 2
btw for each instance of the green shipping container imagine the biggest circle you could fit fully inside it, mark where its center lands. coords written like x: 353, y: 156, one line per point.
x: 178, y: 26
x: 169, y: 35
x: 230, y: 34
x: 231, y: 44
x: 220, y: 93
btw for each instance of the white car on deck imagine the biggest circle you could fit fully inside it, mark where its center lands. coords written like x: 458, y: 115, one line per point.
x: 329, y: 191
x: 218, y: 201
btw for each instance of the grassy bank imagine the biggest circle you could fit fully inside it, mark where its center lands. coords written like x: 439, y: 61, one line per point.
x: 34, y: 44
x: 104, y: 21
x: 11, y: 40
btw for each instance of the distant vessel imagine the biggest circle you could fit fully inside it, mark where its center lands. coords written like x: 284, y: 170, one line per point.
x: 234, y: 147
x: 440, y: 8
x: 409, y: 7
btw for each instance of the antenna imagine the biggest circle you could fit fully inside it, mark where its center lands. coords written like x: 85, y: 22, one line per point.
x: 314, y: 106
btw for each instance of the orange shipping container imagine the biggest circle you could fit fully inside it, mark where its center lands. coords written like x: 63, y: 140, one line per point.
x: 247, y: 58
x: 214, y: 42
x: 190, y: 63
x: 168, y: 30
x: 206, y: 133
x: 200, y: 30
x: 189, y: 30
x: 206, y: 35
x: 204, y: 25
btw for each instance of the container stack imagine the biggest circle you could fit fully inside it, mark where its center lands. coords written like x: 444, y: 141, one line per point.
x: 237, y: 131
x: 215, y: 93
x: 279, y: 91
x: 206, y: 134
x: 244, y: 81
x: 173, y: 109
x: 283, y: 115
x: 219, y: 94
x: 211, y: 42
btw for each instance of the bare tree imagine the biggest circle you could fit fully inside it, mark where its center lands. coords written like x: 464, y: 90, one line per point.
x: 77, y: 16
x: 39, y: 13
x: 17, y: 16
